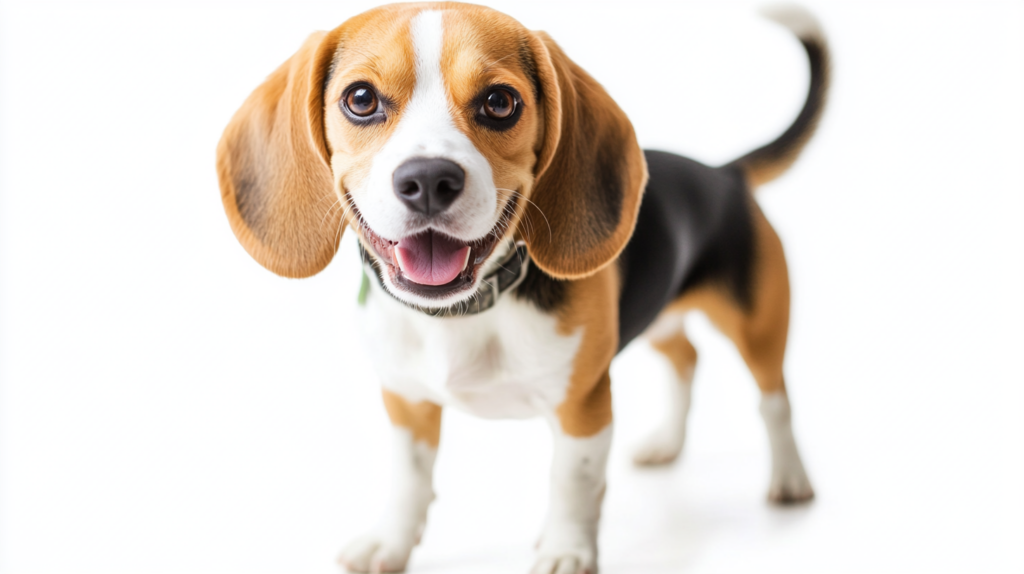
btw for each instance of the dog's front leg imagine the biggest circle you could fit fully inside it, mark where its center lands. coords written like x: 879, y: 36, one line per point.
x: 417, y: 431
x: 582, y: 436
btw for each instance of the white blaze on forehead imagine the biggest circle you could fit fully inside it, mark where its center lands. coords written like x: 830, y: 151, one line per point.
x: 426, y: 129
x: 427, y: 29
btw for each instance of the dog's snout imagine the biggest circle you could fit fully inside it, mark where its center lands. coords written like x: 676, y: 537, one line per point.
x: 429, y: 185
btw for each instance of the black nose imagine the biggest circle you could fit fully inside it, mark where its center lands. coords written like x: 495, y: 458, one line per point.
x: 428, y: 184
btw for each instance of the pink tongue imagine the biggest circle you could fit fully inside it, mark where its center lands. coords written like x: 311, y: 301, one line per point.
x: 430, y: 258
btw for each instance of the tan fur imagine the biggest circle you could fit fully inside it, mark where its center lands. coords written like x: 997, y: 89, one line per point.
x: 272, y: 165
x: 760, y: 173
x: 760, y: 333
x: 593, y: 307
x: 423, y: 419
x: 680, y: 352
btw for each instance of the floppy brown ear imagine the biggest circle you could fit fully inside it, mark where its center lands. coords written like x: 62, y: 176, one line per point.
x: 274, y: 170
x: 590, y: 171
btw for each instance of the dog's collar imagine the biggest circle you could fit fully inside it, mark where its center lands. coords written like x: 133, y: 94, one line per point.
x: 506, y: 277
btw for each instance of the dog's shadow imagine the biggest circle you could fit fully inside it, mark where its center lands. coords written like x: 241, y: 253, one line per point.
x: 663, y: 520
x: 656, y: 520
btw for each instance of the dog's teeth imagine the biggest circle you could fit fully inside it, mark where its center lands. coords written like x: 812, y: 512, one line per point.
x: 397, y: 259
x: 466, y: 262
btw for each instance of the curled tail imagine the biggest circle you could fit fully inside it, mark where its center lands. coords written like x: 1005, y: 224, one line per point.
x: 770, y: 161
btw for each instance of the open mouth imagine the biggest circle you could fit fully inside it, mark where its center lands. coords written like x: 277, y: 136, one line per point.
x: 430, y: 263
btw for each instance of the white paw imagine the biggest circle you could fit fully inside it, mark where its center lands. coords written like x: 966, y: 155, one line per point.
x: 660, y: 447
x: 565, y: 551
x: 790, y: 485
x: 376, y: 553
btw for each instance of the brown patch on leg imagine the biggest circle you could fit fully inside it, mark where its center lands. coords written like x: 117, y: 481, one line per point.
x: 422, y: 418
x: 760, y: 332
x: 664, y: 443
x: 680, y: 352
x: 587, y: 408
x: 593, y: 306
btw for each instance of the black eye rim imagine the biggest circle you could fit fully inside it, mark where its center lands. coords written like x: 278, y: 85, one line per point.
x: 498, y: 124
x: 378, y: 115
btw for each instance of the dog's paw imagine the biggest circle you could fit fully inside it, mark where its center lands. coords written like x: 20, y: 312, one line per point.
x: 565, y: 550
x: 660, y: 447
x: 790, y: 486
x: 377, y: 554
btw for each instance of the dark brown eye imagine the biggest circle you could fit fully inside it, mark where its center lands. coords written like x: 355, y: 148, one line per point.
x: 361, y: 101
x: 500, y: 104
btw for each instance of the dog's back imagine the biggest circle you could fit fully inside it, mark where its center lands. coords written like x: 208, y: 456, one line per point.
x: 696, y: 224
x: 694, y: 227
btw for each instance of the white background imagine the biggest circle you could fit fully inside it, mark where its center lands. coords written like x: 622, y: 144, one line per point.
x: 169, y: 406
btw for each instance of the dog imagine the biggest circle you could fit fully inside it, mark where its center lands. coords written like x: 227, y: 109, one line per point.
x: 514, y: 239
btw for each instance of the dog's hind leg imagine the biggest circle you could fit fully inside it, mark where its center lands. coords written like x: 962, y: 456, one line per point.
x: 761, y: 340
x: 759, y: 331
x: 665, y: 442
x: 417, y: 431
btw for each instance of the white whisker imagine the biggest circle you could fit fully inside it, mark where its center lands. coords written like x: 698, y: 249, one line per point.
x: 546, y: 220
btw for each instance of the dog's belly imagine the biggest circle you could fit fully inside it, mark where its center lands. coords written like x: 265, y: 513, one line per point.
x: 508, y: 362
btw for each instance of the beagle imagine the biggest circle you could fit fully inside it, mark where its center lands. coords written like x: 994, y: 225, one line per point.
x: 515, y: 238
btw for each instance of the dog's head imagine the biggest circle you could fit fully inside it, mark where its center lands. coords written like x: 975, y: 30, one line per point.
x: 439, y: 133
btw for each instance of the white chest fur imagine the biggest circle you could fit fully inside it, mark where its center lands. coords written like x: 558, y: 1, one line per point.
x: 507, y: 362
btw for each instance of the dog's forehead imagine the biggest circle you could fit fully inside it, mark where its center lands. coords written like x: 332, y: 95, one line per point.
x: 479, y: 46
x: 482, y: 46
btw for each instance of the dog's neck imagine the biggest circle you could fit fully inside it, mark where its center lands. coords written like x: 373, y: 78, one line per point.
x: 505, y: 277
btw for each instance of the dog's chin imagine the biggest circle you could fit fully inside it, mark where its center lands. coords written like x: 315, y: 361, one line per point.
x: 430, y: 269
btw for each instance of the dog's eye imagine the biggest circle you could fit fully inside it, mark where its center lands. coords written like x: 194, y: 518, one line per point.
x: 499, y: 104
x: 362, y: 101
x: 498, y: 108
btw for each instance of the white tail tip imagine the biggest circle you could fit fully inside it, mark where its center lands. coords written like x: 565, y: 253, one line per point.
x: 795, y: 18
